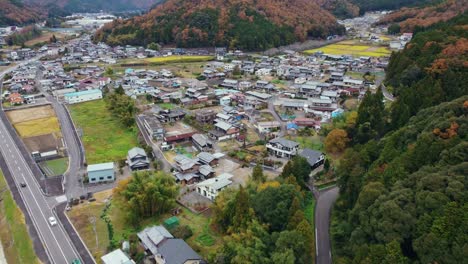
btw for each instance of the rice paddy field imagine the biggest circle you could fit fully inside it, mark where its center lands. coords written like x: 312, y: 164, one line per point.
x: 175, y: 59
x: 38, y: 127
x: 352, y: 48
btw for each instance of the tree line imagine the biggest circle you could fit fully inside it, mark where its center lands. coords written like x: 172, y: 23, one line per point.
x: 402, y: 178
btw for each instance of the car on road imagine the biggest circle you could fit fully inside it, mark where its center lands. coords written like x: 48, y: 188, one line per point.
x: 23, y: 185
x: 52, y: 221
x: 76, y: 261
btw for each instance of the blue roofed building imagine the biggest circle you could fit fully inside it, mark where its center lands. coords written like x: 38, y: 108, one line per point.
x: 82, y: 96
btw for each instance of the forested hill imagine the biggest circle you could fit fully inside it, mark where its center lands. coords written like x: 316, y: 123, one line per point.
x: 97, y: 5
x: 404, y: 181
x: 14, y: 12
x: 409, y: 19
x: 245, y: 24
x: 352, y: 8
x: 404, y: 198
x: 431, y: 69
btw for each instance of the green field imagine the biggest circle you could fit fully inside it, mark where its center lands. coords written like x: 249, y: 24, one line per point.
x: 57, y: 166
x: 175, y: 59
x: 104, y: 138
x: 311, y: 142
x: 14, y: 234
x: 353, y: 49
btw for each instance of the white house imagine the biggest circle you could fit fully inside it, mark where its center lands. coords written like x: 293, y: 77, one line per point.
x: 282, y: 148
x: 116, y: 257
x: 211, y: 187
x: 263, y: 72
x: 225, y: 101
x: 83, y: 96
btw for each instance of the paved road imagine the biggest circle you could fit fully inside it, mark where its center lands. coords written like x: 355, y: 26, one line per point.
x: 387, y: 95
x: 56, y: 241
x: 73, y: 185
x: 271, y: 108
x: 323, y: 207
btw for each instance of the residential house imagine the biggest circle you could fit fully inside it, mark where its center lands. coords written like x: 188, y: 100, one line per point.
x: 229, y: 83
x: 206, y: 158
x: 15, y: 99
x: 313, y: 157
x: 212, y: 187
x: 201, y: 142
x: 268, y: 126
x: 153, y: 126
x: 205, y: 116
x: 173, y: 115
x: 137, y: 159
x: 223, y: 131
x: 185, y: 164
x: 103, y: 172
x: 282, y: 148
x: 116, y: 257
x: 166, y: 249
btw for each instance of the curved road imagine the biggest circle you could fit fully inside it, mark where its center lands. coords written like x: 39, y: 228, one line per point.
x: 325, y: 201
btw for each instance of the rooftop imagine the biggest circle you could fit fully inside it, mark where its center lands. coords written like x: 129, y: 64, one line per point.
x: 101, y: 166
x: 92, y: 91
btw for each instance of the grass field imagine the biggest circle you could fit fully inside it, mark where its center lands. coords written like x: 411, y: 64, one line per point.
x: 104, y: 138
x: 313, y: 142
x: 45, y: 37
x: 81, y: 217
x: 352, y: 48
x: 14, y: 235
x: 175, y: 59
x: 38, y: 127
x: 57, y: 166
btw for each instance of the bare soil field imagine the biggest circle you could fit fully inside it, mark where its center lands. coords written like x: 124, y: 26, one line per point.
x: 28, y: 114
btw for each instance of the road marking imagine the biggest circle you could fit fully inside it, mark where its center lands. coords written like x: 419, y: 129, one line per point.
x: 39, y: 207
x: 316, y: 243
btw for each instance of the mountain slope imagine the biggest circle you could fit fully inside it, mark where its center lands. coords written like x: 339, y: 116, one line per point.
x: 410, y: 18
x: 13, y: 12
x: 97, y: 5
x: 404, y: 195
x: 431, y: 69
x: 246, y: 24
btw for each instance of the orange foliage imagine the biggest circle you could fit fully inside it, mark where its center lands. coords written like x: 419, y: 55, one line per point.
x: 409, y: 18
x: 449, y: 132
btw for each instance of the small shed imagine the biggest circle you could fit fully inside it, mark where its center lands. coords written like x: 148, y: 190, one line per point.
x: 171, y: 222
x: 102, y: 172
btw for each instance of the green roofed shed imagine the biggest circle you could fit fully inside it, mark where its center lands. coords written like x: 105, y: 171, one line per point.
x: 171, y: 222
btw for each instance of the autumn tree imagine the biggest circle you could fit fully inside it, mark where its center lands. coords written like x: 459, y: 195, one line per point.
x: 336, y: 141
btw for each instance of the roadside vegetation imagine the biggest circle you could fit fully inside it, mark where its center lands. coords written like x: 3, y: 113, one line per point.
x: 14, y: 236
x: 105, y: 138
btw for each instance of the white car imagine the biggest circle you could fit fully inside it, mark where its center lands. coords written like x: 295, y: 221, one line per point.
x: 52, y: 221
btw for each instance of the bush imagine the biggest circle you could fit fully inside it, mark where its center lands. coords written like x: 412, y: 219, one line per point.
x: 182, y: 232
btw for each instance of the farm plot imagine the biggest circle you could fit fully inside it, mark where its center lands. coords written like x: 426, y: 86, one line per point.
x: 353, y: 49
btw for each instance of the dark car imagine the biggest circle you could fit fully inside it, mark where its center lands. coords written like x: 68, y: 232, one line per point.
x: 23, y: 184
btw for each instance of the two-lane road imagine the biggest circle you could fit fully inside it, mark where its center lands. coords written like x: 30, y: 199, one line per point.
x: 323, y: 208
x: 54, y: 238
